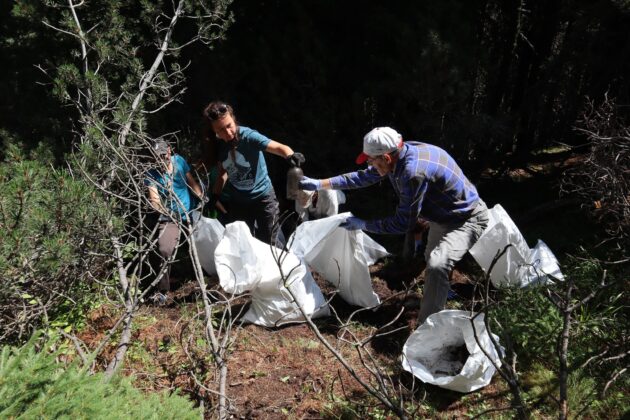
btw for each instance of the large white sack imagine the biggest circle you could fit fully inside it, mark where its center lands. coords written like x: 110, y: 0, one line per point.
x: 544, y: 263
x: 519, y: 266
x: 273, y: 305
x: 246, y: 264
x: 206, y: 235
x: 428, y: 352
x: 341, y: 256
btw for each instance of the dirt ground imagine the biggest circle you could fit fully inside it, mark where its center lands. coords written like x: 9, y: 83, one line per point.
x: 287, y: 372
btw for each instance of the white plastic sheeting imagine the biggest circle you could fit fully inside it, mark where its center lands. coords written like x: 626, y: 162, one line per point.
x: 428, y: 352
x: 341, y: 256
x: 519, y: 266
x: 244, y: 263
x: 207, y: 234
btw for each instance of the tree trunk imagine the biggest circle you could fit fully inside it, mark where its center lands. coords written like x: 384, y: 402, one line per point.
x: 563, y: 349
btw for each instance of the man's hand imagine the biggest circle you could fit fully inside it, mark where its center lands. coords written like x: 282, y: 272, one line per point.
x: 353, y: 223
x: 296, y: 159
x: 310, y: 184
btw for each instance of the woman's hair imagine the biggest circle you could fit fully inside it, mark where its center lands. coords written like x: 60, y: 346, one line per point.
x: 212, y: 112
x: 216, y: 110
x: 208, y: 145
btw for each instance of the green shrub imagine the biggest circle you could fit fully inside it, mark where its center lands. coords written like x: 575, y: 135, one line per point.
x: 34, y: 385
x: 50, y: 245
x: 532, y: 323
x: 602, y: 322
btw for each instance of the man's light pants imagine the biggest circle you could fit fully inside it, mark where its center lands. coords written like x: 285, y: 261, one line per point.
x: 446, y: 245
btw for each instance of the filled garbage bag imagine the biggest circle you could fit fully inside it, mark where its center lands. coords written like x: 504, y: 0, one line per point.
x: 443, y: 351
x: 246, y: 264
x: 341, y: 256
x: 519, y: 266
x: 206, y: 234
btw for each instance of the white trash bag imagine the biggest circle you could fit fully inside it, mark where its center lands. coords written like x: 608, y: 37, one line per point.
x: 443, y: 352
x: 246, y: 264
x: 543, y: 261
x: 519, y: 266
x: 341, y: 256
x: 207, y: 234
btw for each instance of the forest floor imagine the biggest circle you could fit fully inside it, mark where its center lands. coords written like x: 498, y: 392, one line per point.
x: 287, y: 372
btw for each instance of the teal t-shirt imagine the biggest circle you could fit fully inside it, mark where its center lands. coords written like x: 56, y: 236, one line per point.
x: 245, y: 165
x: 181, y: 205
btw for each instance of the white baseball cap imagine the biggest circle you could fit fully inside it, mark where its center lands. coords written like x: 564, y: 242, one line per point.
x: 379, y: 141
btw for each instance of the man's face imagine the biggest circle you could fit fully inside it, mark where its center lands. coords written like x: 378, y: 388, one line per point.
x: 381, y: 163
x: 225, y: 128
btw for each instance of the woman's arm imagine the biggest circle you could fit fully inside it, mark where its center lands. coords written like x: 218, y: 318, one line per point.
x: 218, y: 186
x: 279, y: 149
x: 220, y: 181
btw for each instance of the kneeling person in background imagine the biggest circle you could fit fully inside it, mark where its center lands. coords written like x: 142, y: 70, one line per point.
x: 169, y: 185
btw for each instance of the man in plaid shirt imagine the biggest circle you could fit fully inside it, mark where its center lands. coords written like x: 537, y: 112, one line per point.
x: 431, y: 187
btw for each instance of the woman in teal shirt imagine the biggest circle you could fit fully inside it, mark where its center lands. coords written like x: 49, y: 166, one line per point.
x: 241, y: 164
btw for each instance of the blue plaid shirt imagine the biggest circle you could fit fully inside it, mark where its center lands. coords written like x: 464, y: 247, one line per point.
x: 429, y: 184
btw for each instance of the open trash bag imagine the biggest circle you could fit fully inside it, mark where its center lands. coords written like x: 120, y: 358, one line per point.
x: 443, y: 352
x: 206, y: 235
x: 519, y: 266
x: 327, y: 203
x: 246, y: 264
x: 341, y: 256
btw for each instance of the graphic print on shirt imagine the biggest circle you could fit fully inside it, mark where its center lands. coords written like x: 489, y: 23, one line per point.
x: 239, y: 171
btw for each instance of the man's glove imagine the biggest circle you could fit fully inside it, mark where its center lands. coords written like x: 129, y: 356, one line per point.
x: 353, y: 223
x: 296, y: 159
x: 310, y: 184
